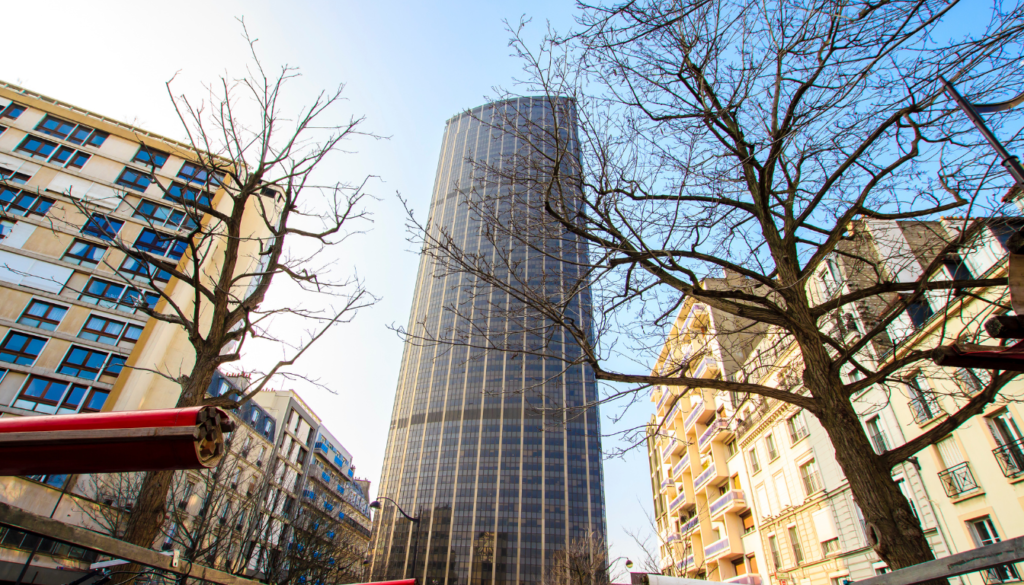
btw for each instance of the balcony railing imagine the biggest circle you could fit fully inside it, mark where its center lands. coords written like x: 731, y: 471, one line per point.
x: 879, y: 442
x: 725, y: 500
x: 665, y: 393
x: 679, y: 467
x: 1011, y: 458
x: 678, y: 501
x: 717, y: 547
x: 690, y: 525
x: 694, y: 413
x: 666, y: 483
x: 713, y: 429
x: 704, y: 477
x: 666, y: 451
x: 925, y: 407
x: 958, y: 480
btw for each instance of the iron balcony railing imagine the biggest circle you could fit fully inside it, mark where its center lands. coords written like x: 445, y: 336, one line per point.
x: 958, y: 480
x: 925, y: 407
x: 724, y: 501
x: 879, y: 442
x: 1011, y: 458
x: 717, y: 547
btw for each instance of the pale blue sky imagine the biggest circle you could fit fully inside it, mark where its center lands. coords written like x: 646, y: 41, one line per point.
x: 408, y: 67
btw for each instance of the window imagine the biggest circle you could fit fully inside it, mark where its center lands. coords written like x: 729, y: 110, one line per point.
x: 134, y: 180
x: 84, y: 253
x: 755, y: 465
x: 42, y: 315
x: 3, y: 129
x: 41, y: 395
x: 973, y: 381
x: 773, y: 546
x: 150, y: 157
x: 905, y: 490
x: 163, y: 216
x: 196, y: 174
x: 877, y: 435
x: 810, y: 477
x: 922, y: 401
x: 69, y: 157
x: 918, y: 310
x: 83, y: 362
x: 56, y: 127
x: 114, y: 366
x: 37, y: 147
x: 102, y: 329
x: 797, y: 427
x: 97, y: 398
x: 13, y: 177
x: 78, y: 160
x: 187, y: 196
x: 132, y: 333
x: 794, y: 541
x: 102, y: 227
x: 830, y: 547
x: 103, y: 293
x: 63, y: 155
x: 160, y: 244
x: 23, y: 203
x: 1010, y: 452
x: 769, y: 443
x: 73, y: 399
x: 142, y: 271
x: 731, y: 448
x: 748, y: 522
x: 19, y: 348
x: 12, y: 111
x: 956, y: 268
x: 985, y: 533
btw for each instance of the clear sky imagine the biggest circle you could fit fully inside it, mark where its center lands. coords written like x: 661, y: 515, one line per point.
x: 408, y: 67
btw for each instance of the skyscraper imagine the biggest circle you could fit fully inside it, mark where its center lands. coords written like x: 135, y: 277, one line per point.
x: 493, y: 451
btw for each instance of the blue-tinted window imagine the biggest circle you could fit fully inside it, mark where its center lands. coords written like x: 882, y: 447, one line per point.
x: 101, y: 329
x: 12, y: 111
x: 84, y: 253
x: 62, y: 155
x: 19, y: 348
x: 78, y: 160
x: 102, y: 227
x: 34, y: 146
x: 54, y: 126
x: 187, y: 195
x: 114, y: 366
x: 95, y: 401
x: 101, y: 292
x: 135, y: 180
x: 73, y: 400
x: 97, y: 138
x: 83, y: 362
x: 24, y: 202
x: 150, y: 157
x: 41, y: 395
x: 43, y: 315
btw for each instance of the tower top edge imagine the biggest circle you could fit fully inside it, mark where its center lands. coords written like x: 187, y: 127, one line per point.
x: 527, y: 98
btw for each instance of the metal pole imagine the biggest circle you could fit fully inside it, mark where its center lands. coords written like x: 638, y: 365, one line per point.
x: 28, y: 562
x: 415, y: 546
x: 1009, y: 161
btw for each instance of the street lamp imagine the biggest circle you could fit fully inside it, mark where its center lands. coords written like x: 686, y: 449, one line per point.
x: 376, y: 505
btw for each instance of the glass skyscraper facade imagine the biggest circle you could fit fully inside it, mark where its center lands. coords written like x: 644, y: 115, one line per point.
x: 496, y: 452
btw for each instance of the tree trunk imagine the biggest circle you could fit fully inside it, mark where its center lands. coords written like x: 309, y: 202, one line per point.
x: 150, y: 508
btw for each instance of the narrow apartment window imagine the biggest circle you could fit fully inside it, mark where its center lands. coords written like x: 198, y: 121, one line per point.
x: 773, y: 545
x: 877, y: 435
x: 755, y: 465
x: 769, y: 442
x: 23, y: 203
x: 794, y: 540
x: 21, y: 349
x: 97, y: 398
x: 13, y: 111
x: 797, y: 427
x: 985, y: 533
x: 55, y: 127
x: 810, y: 477
x: 43, y: 315
x: 115, y: 365
x: 41, y: 395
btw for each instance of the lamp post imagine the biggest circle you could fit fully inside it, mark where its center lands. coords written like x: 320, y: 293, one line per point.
x: 376, y: 505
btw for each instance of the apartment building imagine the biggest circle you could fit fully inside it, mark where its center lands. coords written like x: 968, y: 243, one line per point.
x: 794, y: 503
x: 73, y: 185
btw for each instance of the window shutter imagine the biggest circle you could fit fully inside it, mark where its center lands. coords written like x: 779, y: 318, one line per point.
x: 824, y: 524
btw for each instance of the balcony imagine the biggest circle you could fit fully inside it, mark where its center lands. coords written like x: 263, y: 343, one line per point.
x: 748, y: 579
x: 309, y: 495
x: 687, y: 562
x: 665, y: 394
x: 722, y: 549
x: 322, y: 447
x: 1011, y: 458
x: 958, y: 480
x: 699, y: 413
x: 676, y: 503
x: 925, y: 407
x: 665, y: 485
x: 678, y: 468
x: 340, y: 489
x: 707, y: 368
x: 731, y: 501
x: 690, y: 525
x: 718, y: 428
x: 713, y: 474
x: 674, y: 446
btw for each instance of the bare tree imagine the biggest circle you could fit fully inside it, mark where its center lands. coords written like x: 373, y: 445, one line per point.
x: 255, y: 212
x: 760, y: 139
x: 583, y: 562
